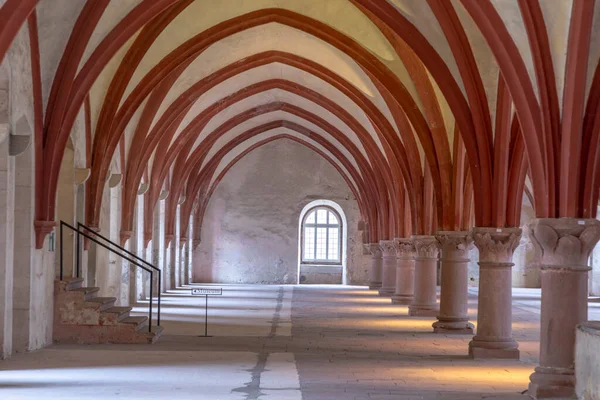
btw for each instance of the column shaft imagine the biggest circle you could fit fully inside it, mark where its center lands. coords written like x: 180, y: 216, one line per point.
x: 494, y: 309
x: 389, y: 264
x: 453, y: 316
x: 426, y: 260
x: 405, y: 272
x: 376, y: 266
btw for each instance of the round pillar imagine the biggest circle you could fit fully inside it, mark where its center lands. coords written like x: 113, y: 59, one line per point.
x: 405, y: 272
x: 494, y: 310
x: 453, y: 316
x: 376, y: 266
x: 565, y: 245
x: 426, y: 260
x: 389, y: 264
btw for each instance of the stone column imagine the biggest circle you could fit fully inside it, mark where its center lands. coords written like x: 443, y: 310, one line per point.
x: 170, y: 259
x: 453, y: 316
x: 494, y: 311
x: 405, y: 272
x: 426, y: 259
x: 376, y: 266
x: 158, y: 243
x: 388, y: 267
x: 564, y: 245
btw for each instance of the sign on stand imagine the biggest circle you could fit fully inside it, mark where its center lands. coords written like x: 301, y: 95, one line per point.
x: 206, y: 291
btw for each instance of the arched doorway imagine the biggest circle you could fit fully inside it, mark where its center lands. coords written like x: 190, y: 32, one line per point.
x: 322, y: 233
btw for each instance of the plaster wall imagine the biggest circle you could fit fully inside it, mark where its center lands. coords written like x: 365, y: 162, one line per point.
x: 27, y: 317
x: 6, y: 244
x: 250, y: 230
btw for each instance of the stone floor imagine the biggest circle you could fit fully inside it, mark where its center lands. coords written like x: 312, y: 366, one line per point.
x: 284, y: 343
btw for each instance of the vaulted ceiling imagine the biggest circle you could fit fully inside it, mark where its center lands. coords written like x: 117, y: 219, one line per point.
x: 436, y: 107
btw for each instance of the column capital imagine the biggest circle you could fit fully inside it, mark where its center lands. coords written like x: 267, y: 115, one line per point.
x: 404, y: 248
x: 564, y: 242
x: 426, y: 246
x: 388, y: 248
x: 374, y: 249
x: 455, y: 240
x: 496, y: 245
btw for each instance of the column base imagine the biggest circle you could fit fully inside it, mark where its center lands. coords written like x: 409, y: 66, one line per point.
x: 460, y: 327
x: 387, y: 291
x: 423, y: 310
x: 374, y: 285
x: 493, y: 349
x: 548, y: 383
x: 402, y: 299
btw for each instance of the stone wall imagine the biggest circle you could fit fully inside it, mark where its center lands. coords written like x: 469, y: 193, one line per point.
x: 250, y: 230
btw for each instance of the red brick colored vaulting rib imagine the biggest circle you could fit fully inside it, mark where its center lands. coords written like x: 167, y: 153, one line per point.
x: 191, y: 131
x: 591, y: 141
x: 182, y: 169
x: 539, y: 44
x: 13, y: 15
x: 406, y: 31
x: 117, y: 87
x: 435, y: 142
x: 127, y: 68
x: 57, y: 137
x: 197, y: 44
x: 234, y: 143
x: 415, y: 194
x: 275, y: 57
x: 469, y: 73
x: 41, y: 228
x: 198, y: 179
x: 195, y: 160
x: 163, y: 166
x: 522, y: 92
x: 573, y: 157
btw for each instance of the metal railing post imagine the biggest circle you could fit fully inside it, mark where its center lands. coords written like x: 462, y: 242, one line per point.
x: 61, y: 250
x: 78, y: 255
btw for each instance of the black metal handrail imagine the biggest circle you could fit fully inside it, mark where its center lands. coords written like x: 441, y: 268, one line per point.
x: 159, y: 272
x: 131, y: 260
x: 159, y: 281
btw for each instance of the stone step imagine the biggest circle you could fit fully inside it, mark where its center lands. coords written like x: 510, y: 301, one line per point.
x: 88, y: 292
x: 104, y: 302
x: 74, y: 283
x: 114, y: 315
x: 139, y: 322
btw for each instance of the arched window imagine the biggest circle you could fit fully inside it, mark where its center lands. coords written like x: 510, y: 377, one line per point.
x: 322, y: 236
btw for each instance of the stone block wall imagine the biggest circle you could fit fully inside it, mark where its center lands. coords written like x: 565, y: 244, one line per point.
x: 250, y: 230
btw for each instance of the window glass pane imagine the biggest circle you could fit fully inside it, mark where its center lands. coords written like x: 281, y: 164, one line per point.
x: 309, y: 243
x: 321, y: 216
x: 321, y: 243
x: 333, y: 250
x: 311, y: 218
x: 332, y: 219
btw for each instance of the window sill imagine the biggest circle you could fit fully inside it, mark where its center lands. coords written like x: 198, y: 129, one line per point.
x: 317, y: 265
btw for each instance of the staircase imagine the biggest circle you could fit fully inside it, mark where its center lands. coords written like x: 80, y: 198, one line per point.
x: 81, y: 317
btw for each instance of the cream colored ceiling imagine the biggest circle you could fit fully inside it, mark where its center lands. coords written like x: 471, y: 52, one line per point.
x: 266, y: 135
x: 57, y: 17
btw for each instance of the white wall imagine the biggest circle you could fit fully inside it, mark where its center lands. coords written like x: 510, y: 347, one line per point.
x: 250, y: 230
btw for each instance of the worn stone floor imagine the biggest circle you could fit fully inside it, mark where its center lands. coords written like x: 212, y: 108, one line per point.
x: 284, y: 343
